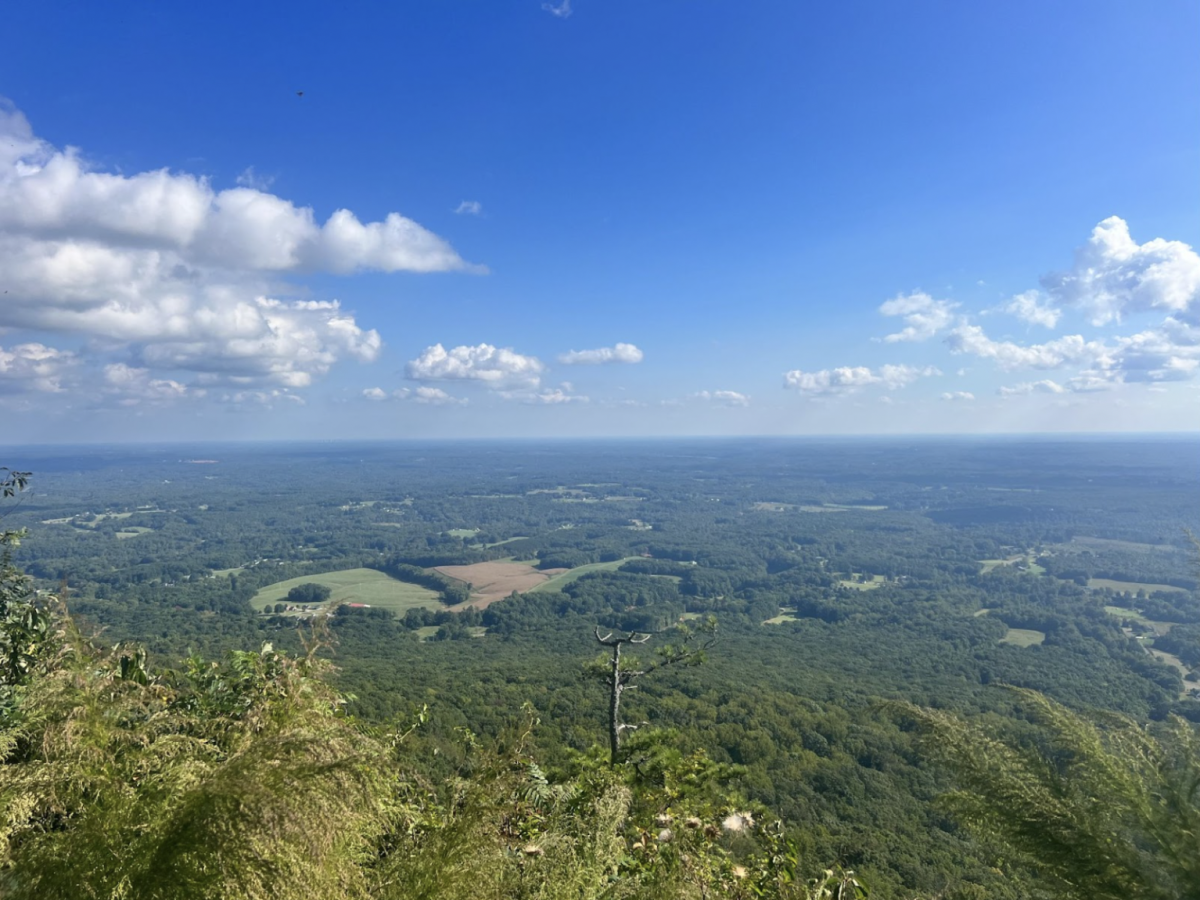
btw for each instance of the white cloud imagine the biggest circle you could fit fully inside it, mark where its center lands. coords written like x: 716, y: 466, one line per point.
x: 1028, y: 307
x: 618, y: 353
x: 375, y: 393
x: 923, y: 316
x: 561, y: 11
x: 429, y: 396
x: 564, y: 393
x: 1045, y: 386
x: 1113, y: 275
x: 848, y: 379
x: 35, y: 367
x: 132, y: 386
x: 251, y: 179
x: 723, y: 398
x: 469, y: 208
x: 1051, y: 355
x: 161, y: 272
x: 958, y: 395
x: 495, y: 367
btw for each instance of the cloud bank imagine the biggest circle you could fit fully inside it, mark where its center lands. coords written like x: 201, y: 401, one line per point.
x: 160, y: 272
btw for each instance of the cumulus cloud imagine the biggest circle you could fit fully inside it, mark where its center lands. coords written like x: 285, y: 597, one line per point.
x: 1029, y: 307
x: 1045, y: 386
x: 563, y: 394
x: 848, y: 379
x: 469, y: 208
x: 374, y: 393
x: 923, y: 316
x: 972, y: 340
x: 723, y: 398
x: 35, y: 367
x: 1170, y: 352
x: 958, y: 395
x: 1114, y: 275
x: 164, y: 273
x: 495, y: 367
x: 559, y: 11
x: 136, y: 386
x: 618, y: 353
x: 429, y: 396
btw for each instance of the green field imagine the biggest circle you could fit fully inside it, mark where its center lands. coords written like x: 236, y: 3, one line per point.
x: 463, y: 532
x: 131, y: 531
x: 785, y: 615
x: 558, y: 582
x: 1023, y: 637
x: 1131, y: 586
x: 877, y: 581
x: 1033, y: 567
x: 356, y: 586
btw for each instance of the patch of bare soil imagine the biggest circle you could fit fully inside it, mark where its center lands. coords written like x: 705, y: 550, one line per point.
x: 492, y: 581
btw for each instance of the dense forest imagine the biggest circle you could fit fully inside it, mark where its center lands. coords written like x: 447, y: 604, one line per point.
x: 868, y: 597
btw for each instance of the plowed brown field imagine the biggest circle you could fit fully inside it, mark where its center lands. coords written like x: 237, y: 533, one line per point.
x: 492, y: 581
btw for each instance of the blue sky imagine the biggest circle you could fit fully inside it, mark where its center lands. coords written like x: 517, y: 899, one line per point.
x: 597, y: 218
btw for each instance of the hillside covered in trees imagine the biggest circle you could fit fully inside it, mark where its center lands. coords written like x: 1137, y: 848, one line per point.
x: 869, y: 599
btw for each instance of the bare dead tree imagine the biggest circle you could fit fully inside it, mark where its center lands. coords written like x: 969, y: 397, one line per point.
x: 619, y: 678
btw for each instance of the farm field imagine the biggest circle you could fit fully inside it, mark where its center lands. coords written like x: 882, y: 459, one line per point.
x: 563, y: 577
x: 132, y: 531
x: 877, y: 581
x: 367, y: 586
x: 1023, y: 637
x: 492, y: 581
x: 1131, y: 586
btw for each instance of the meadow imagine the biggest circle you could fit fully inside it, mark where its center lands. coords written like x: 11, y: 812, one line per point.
x: 367, y: 586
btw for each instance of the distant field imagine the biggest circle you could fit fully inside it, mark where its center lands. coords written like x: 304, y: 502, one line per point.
x: 1132, y: 586
x: 1106, y: 543
x: 1030, y: 566
x: 771, y: 506
x: 862, y: 506
x: 785, y: 615
x: 367, y: 586
x: 1023, y: 637
x: 492, y: 581
x: 463, y: 532
x: 131, y: 531
x: 877, y: 581
x: 563, y: 578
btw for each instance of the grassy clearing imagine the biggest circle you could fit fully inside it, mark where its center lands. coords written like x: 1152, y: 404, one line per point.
x: 1125, y: 612
x: 463, y: 532
x: 1131, y: 586
x: 132, y: 531
x: 862, y: 506
x: 425, y: 632
x: 822, y: 509
x: 786, y: 614
x: 877, y: 581
x: 558, y: 582
x: 772, y: 506
x: 1028, y: 562
x: 1171, y: 660
x: 225, y: 573
x: 367, y: 586
x: 1023, y: 637
x: 519, y: 537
